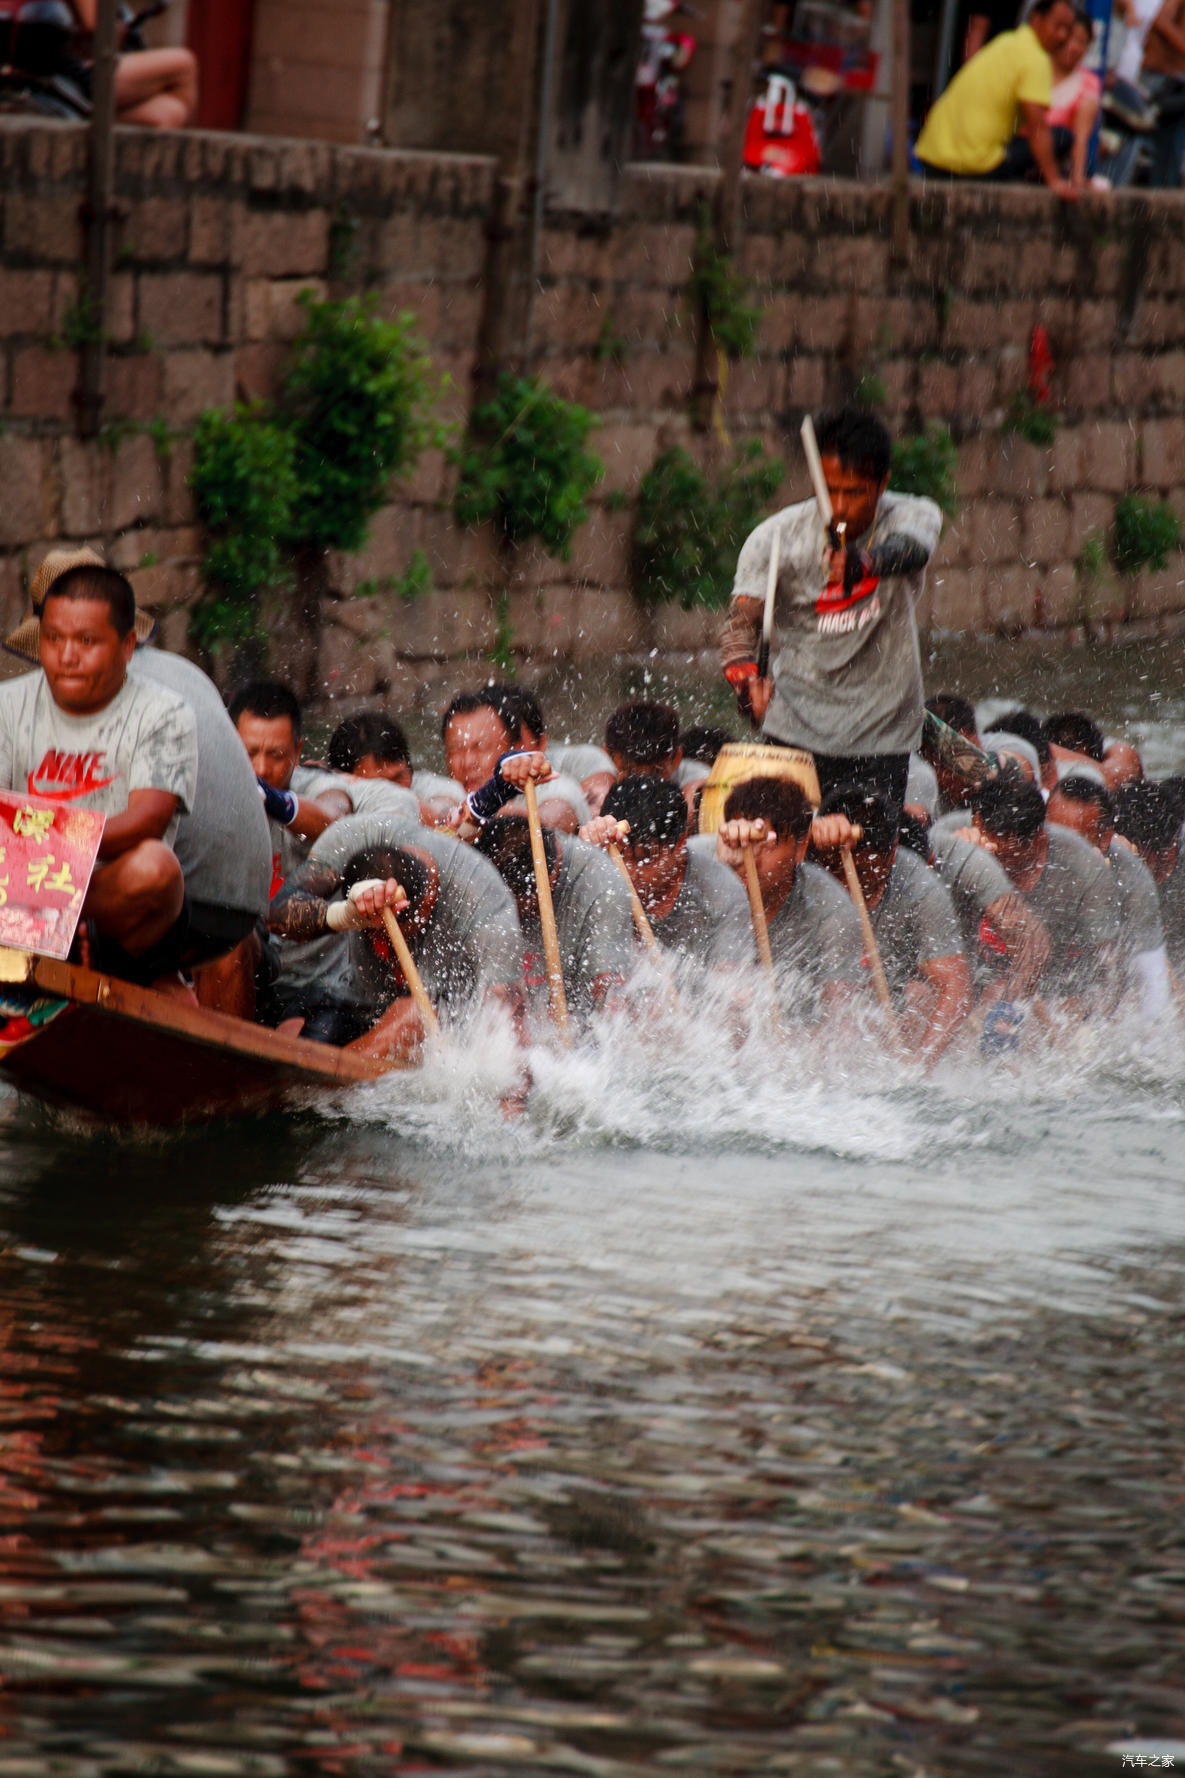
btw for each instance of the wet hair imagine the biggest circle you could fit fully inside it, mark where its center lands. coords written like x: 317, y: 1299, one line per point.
x: 654, y: 807
x: 466, y: 702
x: 368, y: 733
x: 1146, y: 814
x: 864, y: 809
x: 1026, y: 727
x: 1040, y: 7
x: 518, y: 707
x: 410, y: 872
x: 955, y: 711
x: 1083, y: 18
x: 268, y: 699
x: 778, y: 801
x: 703, y: 743
x: 1081, y: 789
x: 1010, y: 808
x: 506, y: 842
x: 915, y: 836
x: 94, y: 581
x: 1077, y: 731
x: 644, y: 734
x: 858, y: 439
x: 1174, y: 789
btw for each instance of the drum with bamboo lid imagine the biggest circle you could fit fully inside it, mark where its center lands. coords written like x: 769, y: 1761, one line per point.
x: 738, y: 761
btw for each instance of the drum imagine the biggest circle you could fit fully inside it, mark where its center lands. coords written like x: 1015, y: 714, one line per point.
x: 739, y: 761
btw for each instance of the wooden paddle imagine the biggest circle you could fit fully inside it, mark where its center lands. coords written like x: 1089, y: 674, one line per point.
x: 551, y: 938
x: 642, y: 922
x: 411, y: 974
x: 641, y: 918
x: 871, y: 948
x: 761, y: 932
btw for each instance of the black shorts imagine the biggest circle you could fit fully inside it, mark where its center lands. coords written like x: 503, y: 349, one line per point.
x: 213, y: 931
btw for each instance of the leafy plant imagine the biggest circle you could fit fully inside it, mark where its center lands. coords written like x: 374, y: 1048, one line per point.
x: 1092, y: 556
x: 611, y: 344
x: 1030, y: 420
x: 688, y: 530
x: 526, y: 466
x: 721, y: 294
x: 80, y: 325
x: 415, y: 580
x: 1144, y: 533
x: 356, y: 400
x: 870, y: 390
x: 925, y: 463
x: 245, y: 485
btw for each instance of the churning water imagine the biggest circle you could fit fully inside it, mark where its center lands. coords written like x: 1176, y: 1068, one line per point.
x: 737, y: 1411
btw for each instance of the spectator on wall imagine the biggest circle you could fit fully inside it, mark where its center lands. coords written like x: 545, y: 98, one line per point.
x: 154, y: 87
x: 1077, y: 95
x: 972, y: 130
x: 1163, y: 79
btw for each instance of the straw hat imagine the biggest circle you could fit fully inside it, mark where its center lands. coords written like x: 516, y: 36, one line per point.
x: 25, y: 639
x: 738, y: 761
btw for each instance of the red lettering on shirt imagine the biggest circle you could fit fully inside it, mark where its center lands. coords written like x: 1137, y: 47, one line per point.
x: 63, y: 776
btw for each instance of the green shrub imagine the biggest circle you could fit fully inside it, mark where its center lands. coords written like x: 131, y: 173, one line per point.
x: 526, y: 467
x: 357, y: 399
x: 925, y: 463
x: 688, y: 531
x: 1028, y: 419
x: 244, y: 485
x: 1144, y: 533
x: 1092, y: 556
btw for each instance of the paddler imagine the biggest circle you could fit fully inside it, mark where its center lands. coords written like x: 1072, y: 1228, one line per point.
x: 847, y: 682
x: 814, y: 931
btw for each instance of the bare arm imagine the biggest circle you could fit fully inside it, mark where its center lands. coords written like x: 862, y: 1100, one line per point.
x: 146, y: 817
x: 1085, y: 113
x: 1165, y: 27
x: 950, y: 978
x: 1036, y: 128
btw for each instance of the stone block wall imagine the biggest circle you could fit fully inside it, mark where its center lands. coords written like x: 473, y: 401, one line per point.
x: 219, y: 235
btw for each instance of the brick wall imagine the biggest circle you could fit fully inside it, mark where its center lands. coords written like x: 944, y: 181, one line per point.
x: 221, y: 233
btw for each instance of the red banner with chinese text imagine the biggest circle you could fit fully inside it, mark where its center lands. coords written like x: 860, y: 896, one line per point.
x: 47, y: 854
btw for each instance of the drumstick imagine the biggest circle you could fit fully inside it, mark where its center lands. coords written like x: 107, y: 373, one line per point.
x: 551, y: 938
x: 771, y: 594
x: 411, y: 974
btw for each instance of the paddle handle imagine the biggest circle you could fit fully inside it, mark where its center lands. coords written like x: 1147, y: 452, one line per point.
x: 761, y: 928
x: 641, y: 919
x: 870, y: 945
x: 411, y: 974
x: 551, y: 938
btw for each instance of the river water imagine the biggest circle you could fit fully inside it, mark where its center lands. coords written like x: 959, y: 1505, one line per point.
x: 736, y: 1413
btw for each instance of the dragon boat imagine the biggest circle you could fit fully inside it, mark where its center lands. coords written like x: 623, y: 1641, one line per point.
x: 126, y: 1055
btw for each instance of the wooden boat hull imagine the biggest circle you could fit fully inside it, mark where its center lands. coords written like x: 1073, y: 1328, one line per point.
x: 128, y: 1055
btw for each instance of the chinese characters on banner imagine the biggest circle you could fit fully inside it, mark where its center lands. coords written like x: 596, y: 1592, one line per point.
x: 47, y: 854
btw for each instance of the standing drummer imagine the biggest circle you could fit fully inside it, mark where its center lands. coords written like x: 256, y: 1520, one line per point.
x: 847, y: 683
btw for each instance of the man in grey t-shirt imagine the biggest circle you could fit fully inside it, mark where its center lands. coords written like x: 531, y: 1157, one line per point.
x: 696, y: 906
x: 912, y: 918
x: 1005, y: 943
x: 1084, y: 806
x: 814, y: 931
x: 81, y: 732
x: 594, y: 922
x: 461, y: 928
x: 1067, y: 884
x: 847, y: 683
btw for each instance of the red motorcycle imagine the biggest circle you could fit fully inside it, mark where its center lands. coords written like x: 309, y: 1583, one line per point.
x: 780, y: 137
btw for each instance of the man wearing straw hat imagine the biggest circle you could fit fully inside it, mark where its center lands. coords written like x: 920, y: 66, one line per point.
x: 847, y: 684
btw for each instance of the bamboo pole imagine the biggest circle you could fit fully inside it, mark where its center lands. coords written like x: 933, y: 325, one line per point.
x: 642, y: 922
x: 551, y: 938
x: 411, y: 974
